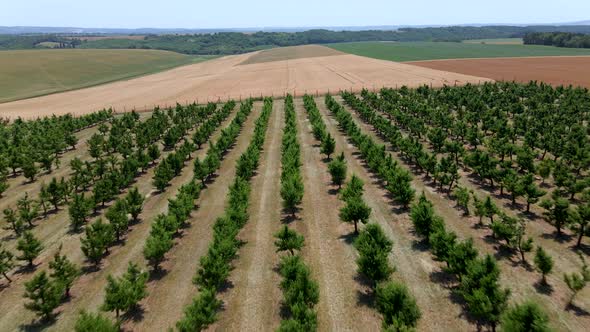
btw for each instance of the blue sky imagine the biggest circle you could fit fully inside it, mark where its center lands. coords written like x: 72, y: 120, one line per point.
x: 272, y: 13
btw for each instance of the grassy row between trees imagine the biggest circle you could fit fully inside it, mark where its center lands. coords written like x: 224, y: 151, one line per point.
x: 215, y: 266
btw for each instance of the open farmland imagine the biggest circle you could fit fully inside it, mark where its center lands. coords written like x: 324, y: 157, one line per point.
x: 31, y: 73
x: 551, y: 70
x: 464, y: 168
x: 227, y: 77
x: 417, y: 51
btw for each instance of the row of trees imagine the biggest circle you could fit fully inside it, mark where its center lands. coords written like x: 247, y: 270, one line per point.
x: 291, y: 180
x: 395, y: 179
x: 559, y: 39
x: 300, y: 291
x: 215, y: 266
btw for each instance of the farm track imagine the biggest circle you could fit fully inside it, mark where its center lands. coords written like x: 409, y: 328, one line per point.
x: 253, y: 303
x: 514, y: 275
x: 87, y: 291
x: 414, y: 265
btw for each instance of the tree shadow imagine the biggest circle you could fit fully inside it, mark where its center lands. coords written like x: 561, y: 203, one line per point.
x: 26, y: 269
x: 157, y: 275
x: 39, y: 325
x: 135, y: 315
x: 543, y: 287
x: 348, y: 238
x: 90, y: 268
x: 563, y: 238
x: 333, y: 191
x: 365, y: 296
x: 420, y: 245
x: 289, y: 217
x: 578, y: 311
x: 226, y: 286
x: 584, y: 248
x: 443, y: 278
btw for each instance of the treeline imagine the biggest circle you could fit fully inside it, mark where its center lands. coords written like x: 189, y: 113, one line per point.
x: 237, y: 42
x: 559, y: 39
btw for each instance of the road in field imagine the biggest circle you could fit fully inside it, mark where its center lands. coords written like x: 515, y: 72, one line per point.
x: 556, y: 71
x: 414, y: 265
x: 88, y: 290
x: 520, y: 279
x: 224, y: 78
x: 254, y: 301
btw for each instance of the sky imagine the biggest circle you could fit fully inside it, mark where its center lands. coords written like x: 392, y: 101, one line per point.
x: 273, y: 13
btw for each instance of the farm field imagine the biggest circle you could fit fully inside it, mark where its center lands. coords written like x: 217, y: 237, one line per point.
x: 495, y: 41
x: 291, y: 53
x: 416, y: 51
x: 552, y: 70
x: 225, y: 78
x: 31, y: 73
x: 233, y: 180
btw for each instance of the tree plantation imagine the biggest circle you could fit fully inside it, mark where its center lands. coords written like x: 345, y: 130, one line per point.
x: 459, y: 208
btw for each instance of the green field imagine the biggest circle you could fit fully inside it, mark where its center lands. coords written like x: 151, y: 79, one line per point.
x: 499, y: 41
x: 31, y: 73
x: 415, y: 51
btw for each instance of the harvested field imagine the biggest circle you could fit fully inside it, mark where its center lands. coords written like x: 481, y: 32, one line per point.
x: 32, y: 73
x: 224, y: 78
x: 291, y: 53
x: 553, y: 70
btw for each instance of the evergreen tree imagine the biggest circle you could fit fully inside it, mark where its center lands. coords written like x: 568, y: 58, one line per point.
x: 543, y: 262
x: 134, y: 200
x: 292, y: 192
x: 11, y: 218
x: 557, y: 212
x: 117, y: 216
x: 337, y: 169
x: 201, y: 313
x: 30, y: 247
x: 460, y: 256
x: 163, y: 175
x: 88, y: 322
x: 123, y: 293
x: 328, y: 145
x: 288, y: 240
x: 481, y: 290
x: 99, y: 236
x: 29, y: 168
x: 526, y: 317
x: 63, y: 271
x: 156, y: 246
x: 79, y: 210
x: 153, y: 153
x: 442, y: 244
x: 423, y: 217
x: 6, y: 262
x: 398, y: 306
x: 45, y: 295
x: 373, y: 247
x: 577, y: 281
x: 463, y: 198
x: 355, y: 210
x: 27, y: 209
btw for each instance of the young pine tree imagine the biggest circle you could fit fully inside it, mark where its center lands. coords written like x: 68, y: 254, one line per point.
x: 373, y: 247
x: 125, y: 292
x: 328, y: 145
x: 397, y: 306
x: 117, y: 216
x: 30, y: 247
x: 527, y: 316
x: 337, y: 169
x: 99, y: 236
x: 544, y: 263
x: 134, y: 200
x: 6, y: 262
x: 45, y: 295
x: 89, y: 322
x: 79, y: 210
x: 288, y: 240
x: 63, y: 271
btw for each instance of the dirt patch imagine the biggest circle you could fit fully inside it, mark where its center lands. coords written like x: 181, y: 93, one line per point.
x: 224, y: 78
x: 553, y: 70
x: 291, y: 53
